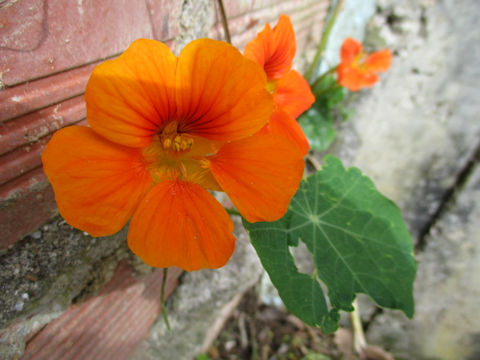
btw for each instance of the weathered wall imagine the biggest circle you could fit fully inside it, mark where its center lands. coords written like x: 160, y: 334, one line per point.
x: 417, y: 135
x: 63, y: 293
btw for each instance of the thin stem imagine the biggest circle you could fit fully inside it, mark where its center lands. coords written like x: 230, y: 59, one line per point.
x: 321, y: 77
x: 224, y: 21
x: 162, y: 295
x: 359, y: 342
x: 232, y: 212
x: 332, y: 87
x: 324, y: 40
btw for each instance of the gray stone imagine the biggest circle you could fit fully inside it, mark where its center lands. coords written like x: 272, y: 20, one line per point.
x: 196, y: 19
x: 415, y: 130
x: 413, y: 133
x: 447, y: 322
x: 201, y: 304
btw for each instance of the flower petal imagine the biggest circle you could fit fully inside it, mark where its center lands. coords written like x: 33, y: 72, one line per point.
x: 220, y: 94
x: 260, y: 174
x: 180, y: 224
x: 128, y: 98
x: 350, y: 49
x: 379, y: 61
x: 286, y: 125
x: 97, y: 183
x: 275, y: 49
x: 354, y: 78
x: 293, y: 94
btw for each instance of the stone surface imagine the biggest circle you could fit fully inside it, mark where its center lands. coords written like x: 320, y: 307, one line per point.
x: 413, y: 133
x: 195, y: 20
x: 415, y: 130
x: 446, y: 325
x: 199, y: 302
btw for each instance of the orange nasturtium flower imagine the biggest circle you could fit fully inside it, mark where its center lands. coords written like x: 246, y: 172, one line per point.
x: 358, y: 69
x: 163, y: 131
x: 274, y: 50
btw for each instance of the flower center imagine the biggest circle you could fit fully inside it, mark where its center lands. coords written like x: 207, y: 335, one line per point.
x: 360, y: 60
x: 172, y: 141
x: 271, y: 86
x: 174, y: 155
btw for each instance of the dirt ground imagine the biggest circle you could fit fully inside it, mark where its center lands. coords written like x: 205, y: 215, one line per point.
x: 259, y: 332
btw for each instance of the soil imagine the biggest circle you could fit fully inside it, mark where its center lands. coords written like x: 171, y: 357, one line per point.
x: 261, y: 332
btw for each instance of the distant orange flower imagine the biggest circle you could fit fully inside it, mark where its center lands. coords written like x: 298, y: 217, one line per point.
x: 163, y: 131
x: 358, y: 69
x: 274, y: 50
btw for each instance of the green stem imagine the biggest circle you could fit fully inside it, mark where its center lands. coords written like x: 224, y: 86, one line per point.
x: 321, y: 77
x: 232, y: 212
x: 224, y: 21
x: 332, y: 87
x: 162, y: 295
x: 323, y: 41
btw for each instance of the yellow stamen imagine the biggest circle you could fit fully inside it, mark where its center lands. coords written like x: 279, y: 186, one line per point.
x: 171, y: 140
x: 167, y: 143
x: 271, y: 86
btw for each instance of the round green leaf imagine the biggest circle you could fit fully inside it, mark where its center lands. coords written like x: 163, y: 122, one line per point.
x: 358, y: 241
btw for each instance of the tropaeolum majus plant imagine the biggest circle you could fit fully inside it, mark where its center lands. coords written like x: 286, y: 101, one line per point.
x: 357, y: 70
x: 165, y: 131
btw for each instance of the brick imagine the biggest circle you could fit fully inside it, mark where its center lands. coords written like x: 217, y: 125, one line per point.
x: 303, y: 13
x: 21, y: 160
x: 31, y: 203
x: 107, y: 326
x: 164, y: 15
x: 34, y: 95
x: 32, y: 127
x: 43, y: 38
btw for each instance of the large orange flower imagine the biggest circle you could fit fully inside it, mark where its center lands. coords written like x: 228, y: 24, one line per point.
x: 274, y: 50
x: 163, y: 131
x: 358, y: 69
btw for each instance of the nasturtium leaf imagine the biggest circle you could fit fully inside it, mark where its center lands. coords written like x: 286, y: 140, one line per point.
x: 358, y: 241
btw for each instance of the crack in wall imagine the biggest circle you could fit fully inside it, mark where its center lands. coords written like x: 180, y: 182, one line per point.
x: 449, y: 195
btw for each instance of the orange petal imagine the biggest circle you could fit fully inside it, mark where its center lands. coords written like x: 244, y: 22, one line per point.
x: 180, y: 224
x: 379, y: 61
x: 354, y: 78
x: 220, y: 94
x: 350, y: 49
x: 260, y: 174
x: 128, y: 98
x: 97, y: 183
x: 286, y: 125
x: 293, y: 94
x: 275, y: 49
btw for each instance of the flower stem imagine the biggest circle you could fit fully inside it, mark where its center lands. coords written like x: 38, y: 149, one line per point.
x: 358, y: 336
x: 232, y: 212
x: 162, y: 295
x: 321, y: 77
x: 324, y: 40
x: 224, y: 21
